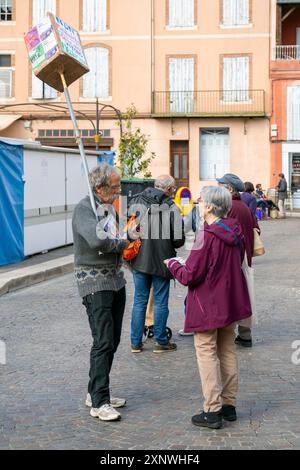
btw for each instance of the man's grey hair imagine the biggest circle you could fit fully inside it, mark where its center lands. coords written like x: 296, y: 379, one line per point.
x: 164, y: 182
x: 100, y: 176
x: 219, y: 198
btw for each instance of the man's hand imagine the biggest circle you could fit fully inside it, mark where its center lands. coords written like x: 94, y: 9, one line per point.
x: 166, y: 262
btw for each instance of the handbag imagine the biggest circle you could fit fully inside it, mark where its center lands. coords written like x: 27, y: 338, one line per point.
x: 249, y: 276
x: 131, y: 252
x: 259, y: 248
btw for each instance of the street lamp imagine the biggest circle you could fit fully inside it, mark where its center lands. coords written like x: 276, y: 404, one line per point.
x: 97, y: 137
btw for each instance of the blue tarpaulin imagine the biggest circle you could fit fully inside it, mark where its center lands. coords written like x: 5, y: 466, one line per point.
x: 107, y: 156
x: 11, y: 204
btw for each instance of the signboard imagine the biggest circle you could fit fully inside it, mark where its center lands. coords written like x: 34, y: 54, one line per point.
x: 184, y: 200
x: 296, y: 163
x: 52, y: 46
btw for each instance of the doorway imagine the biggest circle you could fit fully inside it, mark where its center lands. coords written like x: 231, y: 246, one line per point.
x: 179, y: 162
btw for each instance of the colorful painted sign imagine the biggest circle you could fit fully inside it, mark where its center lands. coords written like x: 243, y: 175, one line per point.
x: 53, y: 47
x: 41, y: 44
x: 70, y: 41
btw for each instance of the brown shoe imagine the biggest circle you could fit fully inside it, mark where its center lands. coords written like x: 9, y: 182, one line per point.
x: 160, y: 348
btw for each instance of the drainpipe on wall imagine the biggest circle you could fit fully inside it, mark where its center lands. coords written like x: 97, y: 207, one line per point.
x: 152, y: 56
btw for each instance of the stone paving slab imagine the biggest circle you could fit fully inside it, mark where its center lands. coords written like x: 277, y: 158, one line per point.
x: 12, y: 280
x: 43, y: 384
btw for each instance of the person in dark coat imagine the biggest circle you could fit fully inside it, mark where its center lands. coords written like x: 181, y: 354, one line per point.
x: 248, y: 198
x: 248, y: 222
x: 162, y: 232
x: 217, y: 298
x: 282, y: 194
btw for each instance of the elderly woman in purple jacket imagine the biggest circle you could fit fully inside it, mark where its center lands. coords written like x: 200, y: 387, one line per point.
x: 217, y: 298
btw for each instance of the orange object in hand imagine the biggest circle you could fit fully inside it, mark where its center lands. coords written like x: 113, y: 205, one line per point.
x: 133, y: 249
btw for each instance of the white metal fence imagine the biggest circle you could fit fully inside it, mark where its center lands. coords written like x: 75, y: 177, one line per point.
x: 287, y: 53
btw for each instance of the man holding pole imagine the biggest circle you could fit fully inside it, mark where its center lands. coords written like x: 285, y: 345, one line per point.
x: 98, y: 258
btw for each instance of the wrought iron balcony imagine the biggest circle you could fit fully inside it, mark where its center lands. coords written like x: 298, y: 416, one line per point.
x: 220, y: 103
x: 287, y: 53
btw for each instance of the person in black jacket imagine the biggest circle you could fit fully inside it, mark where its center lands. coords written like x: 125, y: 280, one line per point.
x: 282, y: 194
x: 162, y: 232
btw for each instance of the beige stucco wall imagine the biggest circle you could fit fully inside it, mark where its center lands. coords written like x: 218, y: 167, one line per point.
x: 129, y: 37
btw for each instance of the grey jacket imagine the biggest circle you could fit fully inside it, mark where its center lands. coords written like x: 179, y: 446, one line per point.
x: 98, y: 258
x: 282, y: 189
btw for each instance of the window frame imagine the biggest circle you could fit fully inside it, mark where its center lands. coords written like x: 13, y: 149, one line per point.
x: 31, y: 73
x: 12, y: 70
x: 233, y: 56
x: 81, y: 87
x: 108, y: 7
x: 181, y: 56
x: 31, y: 12
x: 181, y: 28
x: 225, y: 26
x: 222, y: 131
x: 13, y: 19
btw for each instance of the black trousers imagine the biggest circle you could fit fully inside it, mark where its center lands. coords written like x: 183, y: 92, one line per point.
x: 105, y: 311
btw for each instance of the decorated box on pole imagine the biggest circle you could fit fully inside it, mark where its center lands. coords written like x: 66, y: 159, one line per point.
x: 54, y: 46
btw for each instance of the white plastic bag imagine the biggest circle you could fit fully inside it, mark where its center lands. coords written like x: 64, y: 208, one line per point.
x: 249, y: 276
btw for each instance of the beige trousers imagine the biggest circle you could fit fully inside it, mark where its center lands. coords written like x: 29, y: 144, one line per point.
x: 281, y: 206
x: 217, y: 362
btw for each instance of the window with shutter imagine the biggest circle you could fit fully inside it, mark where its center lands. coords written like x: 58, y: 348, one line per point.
x: 181, y: 13
x: 214, y: 153
x: 40, y: 9
x: 42, y: 91
x: 6, y: 77
x: 236, y: 12
x: 182, y: 84
x: 236, y: 79
x: 293, y: 113
x: 96, y: 82
x: 6, y: 10
x: 94, y: 15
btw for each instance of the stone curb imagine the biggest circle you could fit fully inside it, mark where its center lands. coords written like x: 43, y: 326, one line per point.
x: 25, y: 277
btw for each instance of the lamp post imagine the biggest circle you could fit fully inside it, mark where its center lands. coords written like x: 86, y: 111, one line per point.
x: 97, y: 137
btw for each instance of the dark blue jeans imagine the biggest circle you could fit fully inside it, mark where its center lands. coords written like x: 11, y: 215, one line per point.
x: 161, y: 289
x: 105, y: 311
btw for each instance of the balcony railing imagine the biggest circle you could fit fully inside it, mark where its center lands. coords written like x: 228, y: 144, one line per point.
x: 287, y: 53
x: 209, y: 103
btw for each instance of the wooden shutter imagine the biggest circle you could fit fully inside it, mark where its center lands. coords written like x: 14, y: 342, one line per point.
x: 181, y: 13
x: 40, y: 8
x: 182, y: 84
x: 293, y: 113
x: 96, y: 82
x: 235, y: 12
x: 214, y: 154
x: 94, y: 15
x: 236, y: 79
x: 5, y: 83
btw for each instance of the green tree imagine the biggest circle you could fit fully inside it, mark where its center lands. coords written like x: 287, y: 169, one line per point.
x: 132, y: 149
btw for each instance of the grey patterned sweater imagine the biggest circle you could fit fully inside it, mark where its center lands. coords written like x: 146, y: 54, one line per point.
x: 98, y: 258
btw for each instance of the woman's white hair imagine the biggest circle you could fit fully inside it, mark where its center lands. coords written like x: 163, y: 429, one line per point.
x: 219, y: 198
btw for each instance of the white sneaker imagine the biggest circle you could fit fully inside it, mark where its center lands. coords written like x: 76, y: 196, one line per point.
x: 105, y: 413
x: 115, y: 402
x: 182, y: 333
x: 88, y: 401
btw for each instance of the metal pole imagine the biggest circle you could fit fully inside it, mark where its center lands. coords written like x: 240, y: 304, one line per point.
x: 97, y: 125
x: 79, y: 140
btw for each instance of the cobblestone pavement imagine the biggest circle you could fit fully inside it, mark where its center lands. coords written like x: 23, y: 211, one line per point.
x: 43, y: 385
